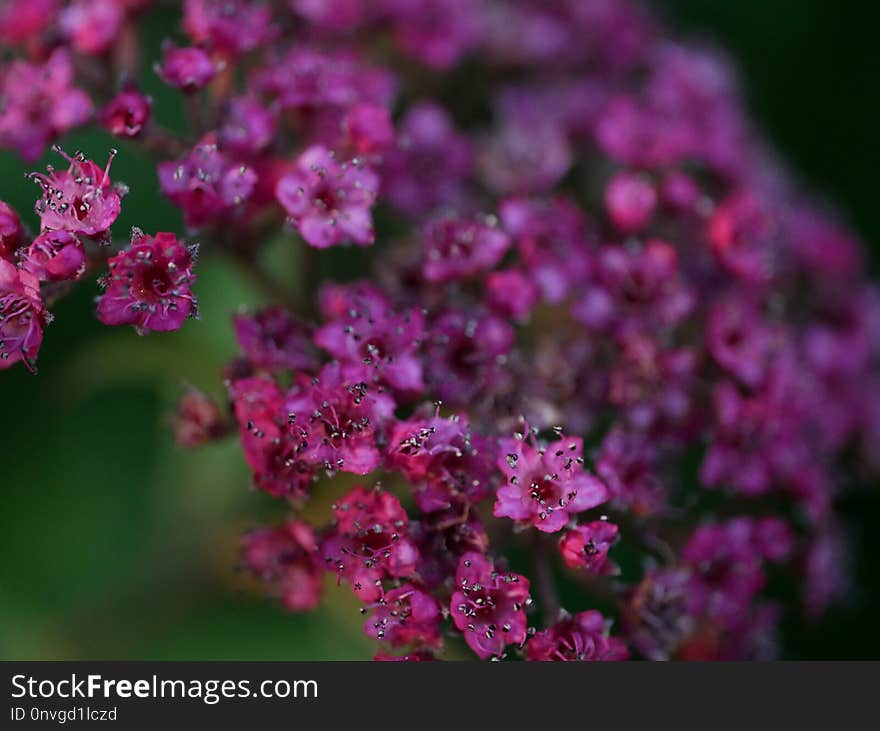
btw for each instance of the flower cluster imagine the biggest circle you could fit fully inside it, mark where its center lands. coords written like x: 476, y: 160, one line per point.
x: 598, y: 318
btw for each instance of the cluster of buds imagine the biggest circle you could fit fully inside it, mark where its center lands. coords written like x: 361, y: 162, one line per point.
x: 604, y: 349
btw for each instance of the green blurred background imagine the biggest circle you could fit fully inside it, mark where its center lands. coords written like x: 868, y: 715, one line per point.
x: 116, y: 544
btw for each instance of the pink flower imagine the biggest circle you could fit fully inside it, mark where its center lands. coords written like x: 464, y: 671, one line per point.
x: 407, y: 615
x: 81, y: 199
x: 233, y: 27
x: 24, y: 21
x: 22, y: 317
x: 197, y: 419
x: 511, y: 293
x: 635, y: 286
x: 328, y: 201
x: 545, y: 485
x: 340, y: 417
x: 466, y: 355
x: 11, y: 232
x: 369, y: 128
x: 739, y: 339
x: 627, y: 466
x: 488, y: 606
x: 189, y: 69
x: 92, y: 26
x: 311, y: 79
x: 149, y: 284
x: 447, y: 464
x: 429, y: 167
x: 436, y: 32
x: 206, y: 184
x: 38, y: 103
x: 272, y: 448
x: 739, y: 234
x: 630, y: 200
x: 248, y: 125
x: 456, y: 249
x: 552, y: 238
x: 369, y: 333
x: 581, y: 637
x: 54, y: 256
x: 285, y: 559
x: 127, y: 113
x: 369, y: 542
x: 587, y: 546
x: 274, y: 339
x: 526, y: 157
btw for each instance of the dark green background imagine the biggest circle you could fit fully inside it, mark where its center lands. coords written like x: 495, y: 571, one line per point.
x: 116, y: 544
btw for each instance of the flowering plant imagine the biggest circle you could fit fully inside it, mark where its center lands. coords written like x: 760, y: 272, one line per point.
x: 607, y: 366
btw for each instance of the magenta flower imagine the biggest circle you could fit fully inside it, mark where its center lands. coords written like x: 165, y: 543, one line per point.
x: 24, y: 21
x: 436, y: 32
x: 328, y: 201
x: 657, y: 620
x: 340, y: 416
x: 127, y: 113
x: 626, y: 464
x: 511, y: 293
x: 456, y: 249
x: 54, y: 256
x: 248, y: 125
x: 22, y: 317
x: 81, y: 199
x: 272, y: 339
x: 285, y: 559
x: 581, y: 637
x: 552, y: 238
x: 752, y: 439
x: 333, y: 15
x: 630, y: 200
x: 369, y: 542
x: 11, y: 232
x: 150, y: 284
x: 447, y: 464
x: 407, y: 615
x: 232, y: 27
x: 488, y: 606
x: 728, y: 569
x: 466, y: 354
x: 443, y: 537
x: 635, y: 286
x: 586, y: 547
x: 545, y: 485
x: 197, y: 419
x: 206, y: 184
x: 369, y: 128
x: 307, y: 78
x: 271, y: 447
x: 526, y: 157
x: 368, y: 333
x: 739, y: 235
x: 38, y: 104
x: 188, y: 69
x: 430, y: 166
x: 92, y: 25
x: 739, y: 340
